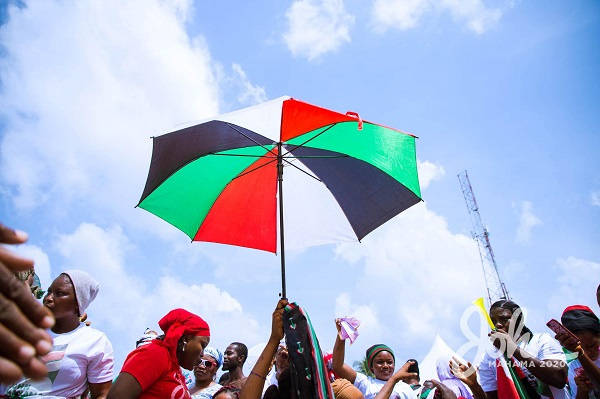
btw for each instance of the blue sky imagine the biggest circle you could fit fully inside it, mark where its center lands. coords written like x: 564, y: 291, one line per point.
x: 507, y: 90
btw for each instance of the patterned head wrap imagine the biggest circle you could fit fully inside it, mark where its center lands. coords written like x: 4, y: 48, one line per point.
x: 215, y: 354
x: 176, y: 324
x: 579, y: 317
x: 375, y: 350
x: 146, y: 338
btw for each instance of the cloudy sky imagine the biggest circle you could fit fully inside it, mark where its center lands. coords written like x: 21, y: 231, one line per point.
x: 507, y: 90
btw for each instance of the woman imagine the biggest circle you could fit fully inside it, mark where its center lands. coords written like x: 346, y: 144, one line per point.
x: 538, y: 355
x: 584, y: 371
x: 81, y: 356
x: 205, y: 372
x: 153, y: 370
x: 381, y: 360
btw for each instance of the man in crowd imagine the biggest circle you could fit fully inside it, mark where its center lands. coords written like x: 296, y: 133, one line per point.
x: 234, y: 358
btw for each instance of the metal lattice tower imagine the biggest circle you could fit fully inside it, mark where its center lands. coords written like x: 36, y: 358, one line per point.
x: 495, y: 287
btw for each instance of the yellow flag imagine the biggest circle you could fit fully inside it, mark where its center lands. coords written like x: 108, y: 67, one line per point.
x: 481, y: 306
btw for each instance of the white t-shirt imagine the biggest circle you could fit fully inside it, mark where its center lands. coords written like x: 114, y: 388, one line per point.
x: 370, y: 387
x: 573, y: 366
x: 542, y: 346
x: 77, y: 357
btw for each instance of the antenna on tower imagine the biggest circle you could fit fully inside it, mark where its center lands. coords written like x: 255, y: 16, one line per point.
x: 495, y: 287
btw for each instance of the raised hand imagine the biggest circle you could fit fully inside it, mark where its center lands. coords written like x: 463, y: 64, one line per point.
x: 22, y: 318
x: 464, y: 372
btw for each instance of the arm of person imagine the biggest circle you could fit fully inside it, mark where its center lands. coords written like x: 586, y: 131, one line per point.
x: 550, y: 371
x: 590, y: 368
x: 337, y: 359
x: 398, y: 376
x: 22, y: 318
x: 125, y: 387
x: 253, y: 387
x: 467, y: 374
x: 100, y: 390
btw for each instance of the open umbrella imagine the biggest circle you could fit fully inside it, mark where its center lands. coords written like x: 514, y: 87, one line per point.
x: 222, y: 180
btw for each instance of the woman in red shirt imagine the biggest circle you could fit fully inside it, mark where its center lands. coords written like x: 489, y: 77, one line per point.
x: 153, y: 371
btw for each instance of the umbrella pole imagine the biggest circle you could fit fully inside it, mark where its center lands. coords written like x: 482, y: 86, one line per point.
x: 282, y: 241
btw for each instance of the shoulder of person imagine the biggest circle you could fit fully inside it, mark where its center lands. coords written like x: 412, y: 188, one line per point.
x: 361, y: 377
x: 153, y: 351
x: 91, y: 332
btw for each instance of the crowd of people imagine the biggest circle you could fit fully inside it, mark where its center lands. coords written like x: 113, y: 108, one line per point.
x: 48, y: 351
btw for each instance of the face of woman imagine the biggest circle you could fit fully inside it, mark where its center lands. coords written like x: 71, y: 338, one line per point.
x: 590, y: 343
x: 501, y: 318
x: 282, y: 360
x: 383, y: 366
x: 60, y: 298
x: 205, y: 369
x: 193, y: 350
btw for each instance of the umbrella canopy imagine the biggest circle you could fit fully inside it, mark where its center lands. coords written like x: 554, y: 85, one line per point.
x: 221, y: 180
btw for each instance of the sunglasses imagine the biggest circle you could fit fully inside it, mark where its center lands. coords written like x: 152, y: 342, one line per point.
x: 206, y: 363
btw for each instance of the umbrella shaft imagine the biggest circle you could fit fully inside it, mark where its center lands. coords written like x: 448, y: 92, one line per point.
x: 281, y: 231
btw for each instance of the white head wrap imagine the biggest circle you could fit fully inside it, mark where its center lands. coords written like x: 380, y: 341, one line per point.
x: 86, y: 288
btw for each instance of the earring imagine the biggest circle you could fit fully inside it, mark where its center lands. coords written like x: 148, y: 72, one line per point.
x: 184, y: 344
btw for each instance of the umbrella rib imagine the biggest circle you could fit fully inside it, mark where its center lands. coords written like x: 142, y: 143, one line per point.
x: 242, y: 155
x: 249, y: 138
x: 310, y: 139
x: 270, y: 162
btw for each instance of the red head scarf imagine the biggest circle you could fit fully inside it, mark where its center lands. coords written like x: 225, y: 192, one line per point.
x: 180, y: 322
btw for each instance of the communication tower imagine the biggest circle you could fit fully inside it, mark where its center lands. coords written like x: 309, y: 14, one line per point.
x: 495, y: 287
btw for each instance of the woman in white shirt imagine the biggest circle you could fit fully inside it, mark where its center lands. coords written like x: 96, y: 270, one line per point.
x: 82, y: 357
x: 381, y: 362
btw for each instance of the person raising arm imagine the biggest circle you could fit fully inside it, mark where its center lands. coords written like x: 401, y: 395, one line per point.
x: 381, y: 362
x: 253, y: 388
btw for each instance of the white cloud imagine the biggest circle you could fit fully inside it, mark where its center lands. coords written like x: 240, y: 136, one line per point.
x: 317, y: 27
x: 127, y: 304
x: 527, y: 221
x: 370, y: 327
x: 422, y: 273
x: 428, y: 172
x: 512, y: 270
x: 595, y: 198
x: 406, y: 14
x: 576, y: 283
x: 250, y: 94
x: 84, y: 87
x: 398, y: 14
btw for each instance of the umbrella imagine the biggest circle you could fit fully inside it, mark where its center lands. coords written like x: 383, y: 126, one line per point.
x: 221, y: 180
